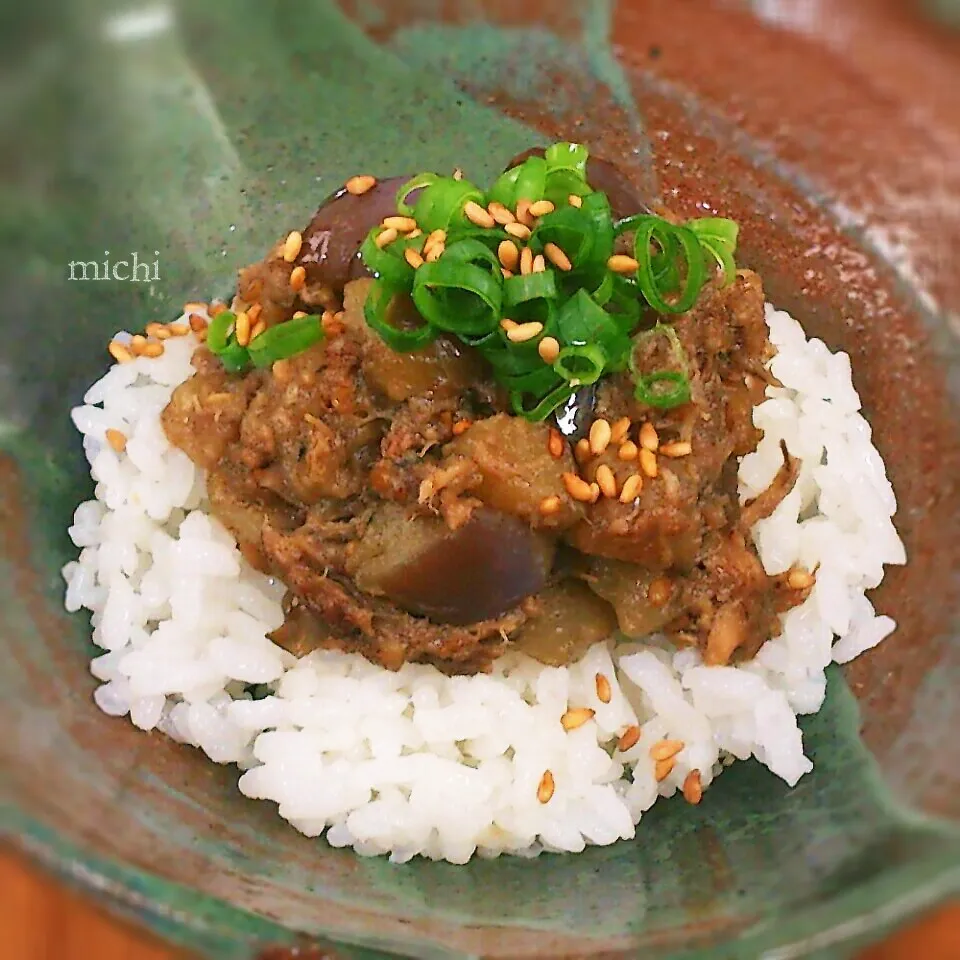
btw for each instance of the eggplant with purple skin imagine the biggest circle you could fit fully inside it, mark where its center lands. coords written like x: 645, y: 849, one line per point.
x: 464, y: 576
x: 332, y: 240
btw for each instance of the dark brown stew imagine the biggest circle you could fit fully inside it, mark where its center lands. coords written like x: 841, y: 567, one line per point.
x: 412, y: 518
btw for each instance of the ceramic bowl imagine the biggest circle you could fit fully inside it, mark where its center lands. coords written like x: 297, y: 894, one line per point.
x: 194, y: 134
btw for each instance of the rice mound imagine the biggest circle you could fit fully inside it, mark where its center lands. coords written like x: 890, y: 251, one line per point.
x: 417, y: 763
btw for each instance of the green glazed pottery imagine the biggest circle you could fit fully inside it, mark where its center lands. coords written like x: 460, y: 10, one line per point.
x: 191, y: 135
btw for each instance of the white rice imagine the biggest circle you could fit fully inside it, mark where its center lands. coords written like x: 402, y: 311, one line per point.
x: 415, y: 762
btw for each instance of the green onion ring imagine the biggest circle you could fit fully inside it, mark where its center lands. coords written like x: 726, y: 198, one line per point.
x: 389, y: 264
x: 718, y: 230
x: 725, y: 261
x: 567, y: 156
x: 669, y: 334
x: 472, y: 251
x: 584, y: 234
x: 654, y: 229
x: 440, y: 206
x: 718, y: 236
x: 567, y: 365
x: 603, y: 293
x: 660, y: 330
x: 571, y: 230
x: 285, y: 340
x: 561, y: 184
x: 597, y: 207
x: 663, y: 262
x: 375, y: 311
x: 458, y: 297
x: 532, y: 180
x: 664, y: 389
x: 411, y: 186
x: 504, y: 191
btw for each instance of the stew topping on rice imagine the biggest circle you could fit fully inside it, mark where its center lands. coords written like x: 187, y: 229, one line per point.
x: 456, y: 422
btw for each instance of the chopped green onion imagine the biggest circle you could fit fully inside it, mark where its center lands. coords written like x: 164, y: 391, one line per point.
x: 389, y: 264
x: 720, y: 230
x: 597, y: 207
x: 532, y: 286
x: 561, y: 184
x: 504, y: 191
x: 543, y: 407
x: 472, y: 251
x: 581, y: 322
x: 658, y: 275
x: 441, y: 206
x: 219, y: 330
x: 661, y: 388
x: 376, y: 311
x: 491, y: 239
x: 527, y: 181
x: 603, y: 293
x: 727, y: 264
x: 566, y: 172
x: 535, y: 382
x: 412, y: 186
x: 673, y: 341
x: 532, y: 180
x: 581, y: 365
x: 669, y: 334
x: 569, y: 228
x: 285, y: 340
x: 584, y: 234
x: 718, y: 236
x: 626, y: 303
x: 222, y: 341
x: 567, y: 156
x: 459, y: 297
x: 508, y: 362
x: 235, y: 359
x: 590, y: 310
x: 664, y: 389
x: 664, y: 260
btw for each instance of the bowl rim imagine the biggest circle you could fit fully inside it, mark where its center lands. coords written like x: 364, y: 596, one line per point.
x: 862, y: 914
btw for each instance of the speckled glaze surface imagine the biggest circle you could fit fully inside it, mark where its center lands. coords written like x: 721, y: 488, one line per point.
x: 830, y: 130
